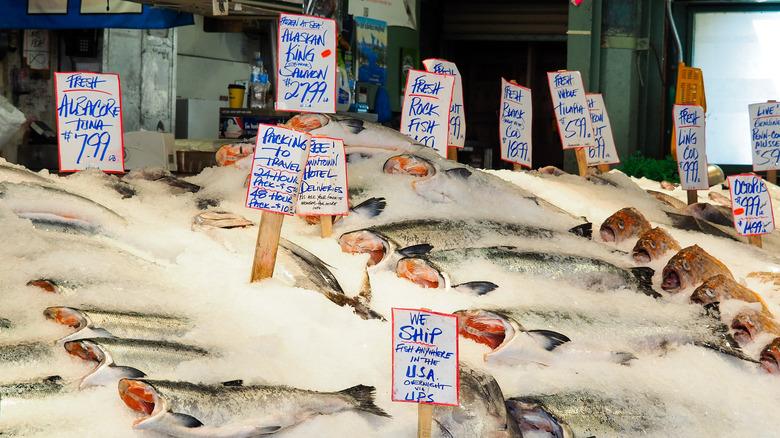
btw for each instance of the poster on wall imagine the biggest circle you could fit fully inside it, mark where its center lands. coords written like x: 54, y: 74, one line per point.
x: 457, y: 114
x: 371, y: 40
x: 394, y: 12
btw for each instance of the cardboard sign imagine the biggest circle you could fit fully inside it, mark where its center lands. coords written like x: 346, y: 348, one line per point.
x: 277, y: 169
x: 515, y: 123
x: 425, y: 357
x: 571, y: 109
x: 691, y: 147
x: 426, y: 111
x: 751, y: 205
x: 765, y: 135
x: 324, y: 186
x: 457, y: 136
x: 307, y: 64
x: 604, y: 152
x: 89, y: 121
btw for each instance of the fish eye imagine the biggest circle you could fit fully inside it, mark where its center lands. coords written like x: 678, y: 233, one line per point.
x: 685, y: 265
x: 651, y: 244
x: 621, y: 224
x: 710, y: 293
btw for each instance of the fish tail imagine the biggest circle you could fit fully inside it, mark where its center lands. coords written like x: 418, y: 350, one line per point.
x: 371, y: 207
x: 644, y: 278
x: 584, y: 230
x: 364, y: 396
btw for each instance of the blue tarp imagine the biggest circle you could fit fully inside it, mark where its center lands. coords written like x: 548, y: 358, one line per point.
x: 87, y: 14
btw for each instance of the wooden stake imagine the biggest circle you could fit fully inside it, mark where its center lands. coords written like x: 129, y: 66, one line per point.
x: 452, y: 153
x: 582, y: 161
x: 603, y: 168
x: 424, y: 420
x: 326, y: 222
x: 267, y: 245
x: 771, y: 176
x: 693, y: 197
x: 755, y: 240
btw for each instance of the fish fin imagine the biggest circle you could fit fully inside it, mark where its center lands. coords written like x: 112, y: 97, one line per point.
x: 354, y: 126
x: 315, y: 262
x: 729, y: 347
x: 371, y: 207
x: 644, y: 277
x: 444, y: 432
x: 237, y: 382
x: 364, y: 396
x: 584, y: 230
x: 476, y: 287
x: 415, y: 250
x: 185, y: 420
x: 548, y: 339
x: 458, y: 172
x: 85, y: 333
x: 105, y: 375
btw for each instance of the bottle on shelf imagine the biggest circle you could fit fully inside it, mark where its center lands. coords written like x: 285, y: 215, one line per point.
x: 258, y: 90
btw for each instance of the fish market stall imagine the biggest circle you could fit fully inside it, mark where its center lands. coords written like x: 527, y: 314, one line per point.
x: 144, y: 282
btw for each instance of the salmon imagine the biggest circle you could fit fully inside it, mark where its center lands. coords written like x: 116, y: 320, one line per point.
x: 653, y: 244
x: 691, y: 266
x: 624, y: 224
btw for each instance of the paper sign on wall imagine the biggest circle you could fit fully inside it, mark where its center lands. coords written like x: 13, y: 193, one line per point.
x: 515, y: 123
x: 691, y: 147
x: 604, y: 152
x: 457, y: 122
x: 765, y: 135
x: 307, y: 64
x: 426, y: 109
x: 751, y: 205
x: 277, y: 168
x: 425, y: 357
x: 371, y: 40
x: 324, y: 186
x: 89, y: 121
x: 571, y: 109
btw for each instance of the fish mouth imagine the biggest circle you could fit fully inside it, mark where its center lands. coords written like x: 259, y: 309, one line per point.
x: 365, y: 242
x: 85, y: 349
x: 408, y: 165
x: 607, y: 233
x: 743, y: 329
x: 140, y: 397
x: 420, y: 272
x: 641, y: 255
x: 485, y: 328
x: 66, y: 316
x: 671, y: 280
x: 696, y: 298
x: 769, y: 358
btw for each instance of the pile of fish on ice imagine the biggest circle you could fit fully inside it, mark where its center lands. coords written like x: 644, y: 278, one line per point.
x: 660, y: 323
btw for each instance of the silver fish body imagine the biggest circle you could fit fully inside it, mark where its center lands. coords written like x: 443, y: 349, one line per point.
x: 35, y: 388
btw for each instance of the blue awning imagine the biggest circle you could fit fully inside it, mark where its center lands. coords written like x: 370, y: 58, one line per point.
x: 87, y: 14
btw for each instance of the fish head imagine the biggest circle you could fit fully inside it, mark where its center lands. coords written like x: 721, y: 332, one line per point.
x: 652, y: 245
x: 770, y: 357
x: 408, y: 164
x: 421, y: 272
x: 623, y: 224
x: 532, y: 417
x: 67, y: 316
x: 85, y: 349
x: 307, y: 122
x: 689, y: 267
x: 745, y: 326
x: 484, y: 327
x: 706, y: 293
x: 365, y: 242
x: 141, y: 397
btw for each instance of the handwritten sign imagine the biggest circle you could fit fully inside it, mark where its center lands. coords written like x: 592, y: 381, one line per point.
x: 426, y: 111
x: 457, y: 136
x: 425, y: 357
x: 571, y: 109
x: 324, y: 186
x: 307, y: 64
x: 604, y: 152
x: 751, y: 205
x: 89, y: 121
x: 691, y: 148
x: 765, y: 135
x: 515, y: 123
x: 277, y: 169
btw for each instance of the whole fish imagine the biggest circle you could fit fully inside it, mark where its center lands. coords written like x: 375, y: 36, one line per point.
x: 690, y: 267
x: 480, y: 412
x: 381, y: 240
x: 653, y: 244
x: 220, y: 219
x: 358, y: 135
x: 720, y: 199
x: 748, y: 323
x: 441, y: 269
x: 624, y: 224
x: 723, y: 287
x: 705, y: 211
x: 187, y: 409
x: 34, y: 388
x: 666, y: 199
x: 90, y: 323
x: 122, y: 358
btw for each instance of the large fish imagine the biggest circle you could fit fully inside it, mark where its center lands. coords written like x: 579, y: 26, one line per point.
x: 186, y: 409
x: 442, y: 269
x: 122, y: 358
x: 691, y: 266
x: 480, y: 412
x: 90, y: 323
x: 358, y: 135
x: 653, y: 244
x: 723, y: 287
x: 624, y: 224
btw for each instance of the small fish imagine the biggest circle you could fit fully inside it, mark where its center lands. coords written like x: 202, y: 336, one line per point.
x: 666, y: 185
x: 624, y: 224
x: 34, y: 388
x: 176, y: 184
x: 130, y: 358
x: 711, y: 213
x: 534, y: 419
x: 723, y: 287
x: 480, y: 412
x: 720, y: 199
x: 358, y: 135
x: 749, y: 323
x: 220, y: 219
x: 90, y: 323
x: 690, y: 267
x: 669, y: 200
x: 441, y: 269
x: 653, y: 244
x: 188, y: 409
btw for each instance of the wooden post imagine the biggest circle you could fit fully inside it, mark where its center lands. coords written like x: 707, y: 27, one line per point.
x: 424, y: 420
x: 603, y: 167
x: 693, y: 197
x: 771, y: 176
x: 755, y: 240
x: 326, y: 222
x: 267, y: 245
x: 582, y: 161
x: 452, y: 153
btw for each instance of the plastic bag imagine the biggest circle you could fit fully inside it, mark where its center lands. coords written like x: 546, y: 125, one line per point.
x: 10, y: 121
